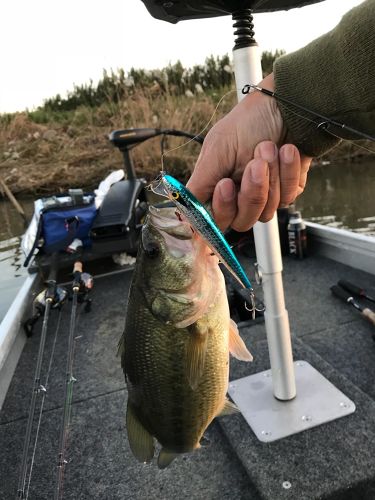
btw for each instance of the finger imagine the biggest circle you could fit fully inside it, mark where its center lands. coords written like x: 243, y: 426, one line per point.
x: 305, y: 166
x: 215, y: 162
x: 253, y: 194
x: 267, y: 150
x: 290, y: 170
x: 224, y: 203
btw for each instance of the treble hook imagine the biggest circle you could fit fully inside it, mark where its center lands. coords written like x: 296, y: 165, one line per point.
x: 254, y: 309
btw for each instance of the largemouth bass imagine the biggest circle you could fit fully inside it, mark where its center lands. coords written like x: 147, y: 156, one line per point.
x: 176, y: 342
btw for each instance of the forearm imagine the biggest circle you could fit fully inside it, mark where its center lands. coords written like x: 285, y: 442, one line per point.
x: 333, y: 76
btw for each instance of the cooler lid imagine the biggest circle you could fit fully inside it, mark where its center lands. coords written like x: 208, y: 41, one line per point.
x: 179, y: 10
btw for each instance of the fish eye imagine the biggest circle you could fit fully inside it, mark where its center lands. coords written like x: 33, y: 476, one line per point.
x: 152, y: 250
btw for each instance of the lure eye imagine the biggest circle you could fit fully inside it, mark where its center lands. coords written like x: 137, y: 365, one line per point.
x: 175, y: 195
x: 152, y: 250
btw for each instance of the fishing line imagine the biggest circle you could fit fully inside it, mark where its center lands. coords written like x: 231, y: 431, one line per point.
x: 45, y: 389
x: 355, y: 144
x: 199, y: 133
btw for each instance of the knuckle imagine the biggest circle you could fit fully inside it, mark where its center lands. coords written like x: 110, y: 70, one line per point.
x: 242, y: 226
x: 257, y: 198
x: 266, y: 217
x: 288, y: 200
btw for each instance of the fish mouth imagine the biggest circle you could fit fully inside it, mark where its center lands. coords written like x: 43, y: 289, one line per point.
x: 175, y: 231
x: 168, y: 220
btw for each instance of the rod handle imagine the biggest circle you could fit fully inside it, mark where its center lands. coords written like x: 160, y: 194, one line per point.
x: 52, y: 276
x: 77, y: 272
x: 350, y: 287
x: 341, y: 293
x: 369, y: 315
x: 77, y: 267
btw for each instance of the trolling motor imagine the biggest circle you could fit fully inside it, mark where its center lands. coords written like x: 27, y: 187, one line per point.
x: 118, y: 223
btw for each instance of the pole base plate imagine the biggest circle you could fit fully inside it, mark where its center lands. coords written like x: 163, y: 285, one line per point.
x: 317, y: 402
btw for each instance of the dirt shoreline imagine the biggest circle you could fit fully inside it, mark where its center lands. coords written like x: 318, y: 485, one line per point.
x: 37, y: 160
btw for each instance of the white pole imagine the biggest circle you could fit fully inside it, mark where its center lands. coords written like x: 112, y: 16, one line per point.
x: 247, y: 69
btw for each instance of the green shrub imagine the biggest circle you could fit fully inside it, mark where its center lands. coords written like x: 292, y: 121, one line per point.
x: 115, y: 87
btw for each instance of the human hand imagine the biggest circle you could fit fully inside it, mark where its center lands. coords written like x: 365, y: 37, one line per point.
x: 272, y: 179
x: 241, y: 169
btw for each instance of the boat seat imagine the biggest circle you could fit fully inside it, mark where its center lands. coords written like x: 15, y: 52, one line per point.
x: 198, y: 9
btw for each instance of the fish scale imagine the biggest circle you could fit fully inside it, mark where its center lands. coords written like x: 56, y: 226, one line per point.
x: 166, y: 379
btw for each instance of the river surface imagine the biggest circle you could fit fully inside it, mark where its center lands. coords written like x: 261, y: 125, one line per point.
x: 340, y: 196
x: 12, y: 272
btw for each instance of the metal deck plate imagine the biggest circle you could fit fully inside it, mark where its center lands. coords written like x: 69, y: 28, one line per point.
x: 317, y: 402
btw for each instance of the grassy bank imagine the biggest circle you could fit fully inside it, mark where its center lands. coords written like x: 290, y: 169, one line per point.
x: 64, y: 143
x: 74, y: 152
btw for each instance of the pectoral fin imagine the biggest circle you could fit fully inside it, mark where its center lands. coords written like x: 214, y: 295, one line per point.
x: 140, y: 440
x: 196, y: 348
x: 237, y: 346
x: 165, y: 458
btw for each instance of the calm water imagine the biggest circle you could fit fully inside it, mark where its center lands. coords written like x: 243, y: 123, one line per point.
x: 12, y: 272
x: 341, y: 196
x: 337, y: 195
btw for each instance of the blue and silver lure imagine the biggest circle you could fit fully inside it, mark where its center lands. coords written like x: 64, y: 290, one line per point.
x: 203, y: 223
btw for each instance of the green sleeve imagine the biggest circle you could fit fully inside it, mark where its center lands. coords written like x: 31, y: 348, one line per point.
x: 334, y: 76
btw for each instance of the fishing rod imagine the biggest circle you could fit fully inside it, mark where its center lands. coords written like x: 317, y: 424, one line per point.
x: 344, y: 295
x: 325, y: 120
x: 48, y: 298
x: 81, y: 286
x: 356, y: 290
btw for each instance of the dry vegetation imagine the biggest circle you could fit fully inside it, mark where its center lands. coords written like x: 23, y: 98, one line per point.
x: 42, y: 158
x: 64, y: 143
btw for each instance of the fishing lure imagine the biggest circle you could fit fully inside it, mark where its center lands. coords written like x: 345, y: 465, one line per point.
x: 203, y: 223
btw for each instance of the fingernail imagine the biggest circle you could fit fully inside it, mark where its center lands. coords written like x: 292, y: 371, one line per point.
x: 268, y: 151
x: 227, y: 190
x: 259, y: 171
x: 287, y: 153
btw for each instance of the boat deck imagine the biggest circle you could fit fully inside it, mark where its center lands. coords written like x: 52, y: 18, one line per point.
x: 332, y: 461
